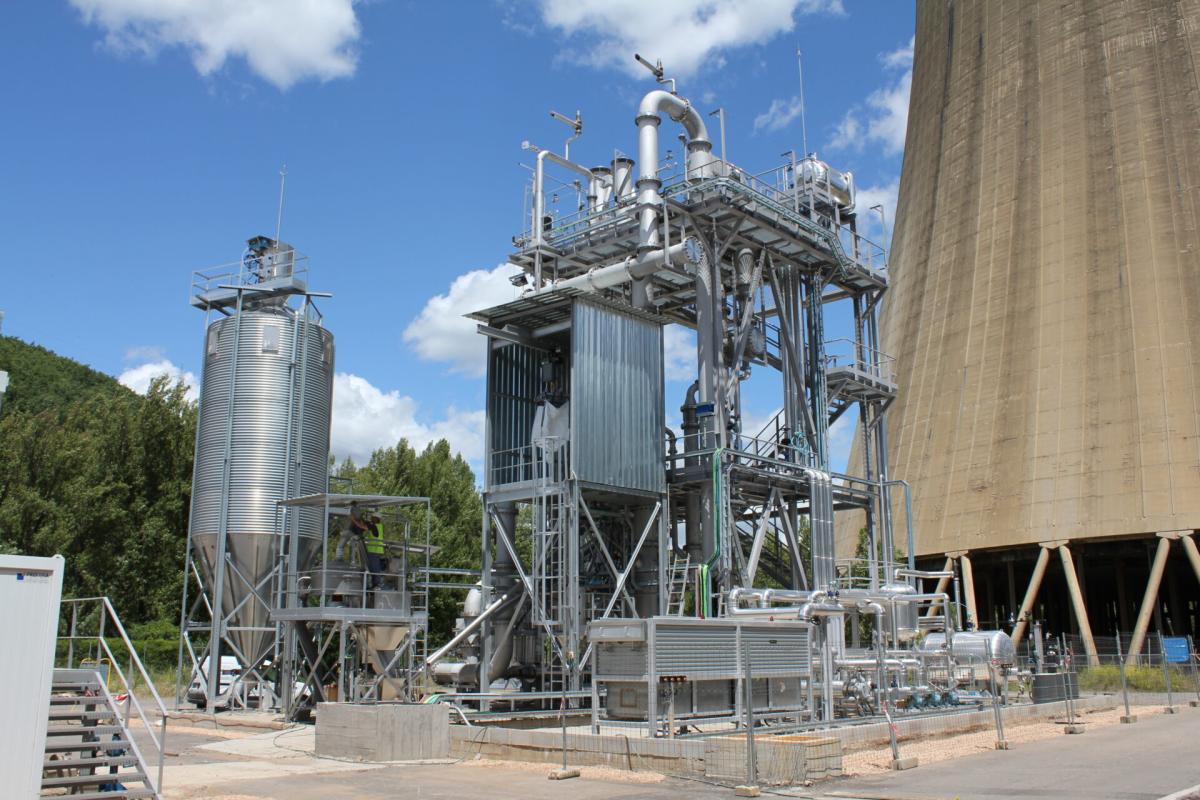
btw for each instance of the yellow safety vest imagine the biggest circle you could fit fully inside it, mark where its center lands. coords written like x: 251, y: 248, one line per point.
x: 374, y: 537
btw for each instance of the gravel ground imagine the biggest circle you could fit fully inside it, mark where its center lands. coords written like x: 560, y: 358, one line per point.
x: 933, y: 750
x: 593, y: 773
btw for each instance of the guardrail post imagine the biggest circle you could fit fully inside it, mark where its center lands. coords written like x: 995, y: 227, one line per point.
x: 1129, y: 717
x: 1162, y: 649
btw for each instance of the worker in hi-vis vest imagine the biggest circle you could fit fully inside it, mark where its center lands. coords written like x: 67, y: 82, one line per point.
x: 376, y: 550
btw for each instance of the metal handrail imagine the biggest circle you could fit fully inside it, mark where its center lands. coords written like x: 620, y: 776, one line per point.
x: 107, y: 612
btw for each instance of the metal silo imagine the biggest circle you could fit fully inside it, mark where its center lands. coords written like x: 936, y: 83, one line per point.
x: 263, y: 436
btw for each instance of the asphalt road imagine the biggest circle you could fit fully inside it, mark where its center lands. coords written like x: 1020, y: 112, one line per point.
x: 1153, y: 758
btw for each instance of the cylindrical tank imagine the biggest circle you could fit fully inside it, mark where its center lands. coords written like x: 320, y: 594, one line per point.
x: 906, y: 625
x: 974, y: 646
x: 265, y: 403
x: 622, y: 171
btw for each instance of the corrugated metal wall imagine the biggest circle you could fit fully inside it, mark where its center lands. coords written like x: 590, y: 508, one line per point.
x: 616, y: 399
x: 512, y: 389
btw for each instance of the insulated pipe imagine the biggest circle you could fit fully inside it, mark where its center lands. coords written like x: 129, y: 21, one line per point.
x: 699, y: 155
x: 1081, y: 615
x: 1035, y: 582
x: 633, y: 268
x: 462, y: 635
x: 1150, y: 598
x: 622, y: 184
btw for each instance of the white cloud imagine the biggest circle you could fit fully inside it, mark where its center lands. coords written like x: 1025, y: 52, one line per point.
x: 685, y: 34
x: 841, y: 439
x: 779, y: 115
x: 139, y: 378
x: 882, y: 118
x: 282, y: 41
x: 869, y: 223
x: 441, y: 332
x: 679, y: 353
x: 366, y: 418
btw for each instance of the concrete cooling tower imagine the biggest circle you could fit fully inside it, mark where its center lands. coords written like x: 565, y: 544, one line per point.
x: 1045, y: 312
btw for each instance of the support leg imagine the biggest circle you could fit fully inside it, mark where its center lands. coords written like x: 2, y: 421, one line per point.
x: 1189, y: 547
x: 1081, y: 615
x: 1150, y: 599
x: 968, y: 574
x: 1035, y: 583
x: 942, y: 585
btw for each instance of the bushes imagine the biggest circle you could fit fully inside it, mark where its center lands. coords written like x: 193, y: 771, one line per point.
x: 1107, y: 678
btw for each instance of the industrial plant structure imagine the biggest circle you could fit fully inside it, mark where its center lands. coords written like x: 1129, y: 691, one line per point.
x: 620, y: 555
x: 628, y: 567
x: 1044, y: 311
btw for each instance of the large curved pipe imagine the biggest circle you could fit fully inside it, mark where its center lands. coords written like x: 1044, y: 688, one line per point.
x: 699, y: 162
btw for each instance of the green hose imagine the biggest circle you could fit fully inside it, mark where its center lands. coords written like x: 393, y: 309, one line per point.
x: 707, y: 567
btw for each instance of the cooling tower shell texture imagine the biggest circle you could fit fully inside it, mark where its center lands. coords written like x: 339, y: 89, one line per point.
x: 1045, y: 300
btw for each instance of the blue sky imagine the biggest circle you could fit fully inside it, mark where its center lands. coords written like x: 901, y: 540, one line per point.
x: 143, y: 140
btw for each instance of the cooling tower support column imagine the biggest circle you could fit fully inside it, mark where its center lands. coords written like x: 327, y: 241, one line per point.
x: 968, y: 578
x: 1189, y: 547
x: 1081, y: 615
x: 1151, y: 596
x: 1035, y: 583
x: 942, y: 585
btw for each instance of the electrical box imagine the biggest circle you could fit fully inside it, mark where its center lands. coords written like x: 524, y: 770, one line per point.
x: 30, y: 592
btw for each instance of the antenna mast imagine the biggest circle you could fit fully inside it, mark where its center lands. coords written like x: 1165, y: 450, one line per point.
x: 803, y: 122
x: 279, y: 217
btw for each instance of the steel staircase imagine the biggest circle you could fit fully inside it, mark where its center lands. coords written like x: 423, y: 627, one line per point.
x: 90, y: 751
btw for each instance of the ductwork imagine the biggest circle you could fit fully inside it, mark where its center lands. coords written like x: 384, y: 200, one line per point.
x: 633, y: 268
x: 699, y: 164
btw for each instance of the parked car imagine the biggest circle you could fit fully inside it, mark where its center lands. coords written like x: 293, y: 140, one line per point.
x: 197, y: 692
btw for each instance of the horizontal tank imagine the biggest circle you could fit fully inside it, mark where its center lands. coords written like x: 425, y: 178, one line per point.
x: 272, y: 424
x: 976, y: 646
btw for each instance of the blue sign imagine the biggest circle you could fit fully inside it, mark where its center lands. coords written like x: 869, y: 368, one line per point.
x: 1175, y: 648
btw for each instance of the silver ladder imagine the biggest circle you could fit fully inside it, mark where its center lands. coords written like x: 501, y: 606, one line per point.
x: 551, y: 520
x: 677, y: 584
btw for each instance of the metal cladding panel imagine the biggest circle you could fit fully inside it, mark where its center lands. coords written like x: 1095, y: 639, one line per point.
x: 266, y: 425
x: 616, y: 399
x: 30, y: 591
x: 695, y: 650
x: 623, y: 659
x: 1046, y: 274
x: 511, y: 402
x: 777, y: 649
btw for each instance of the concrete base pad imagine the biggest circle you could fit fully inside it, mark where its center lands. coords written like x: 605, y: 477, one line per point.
x: 563, y: 774
x: 1073, y: 729
x: 1001, y: 744
x: 904, y: 763
x: 1170, y: 710
x: 746, y: 791
x: 1128, y: 720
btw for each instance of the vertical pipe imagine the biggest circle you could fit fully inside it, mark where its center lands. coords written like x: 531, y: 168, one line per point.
x: 1150, y: 599
x: 1081, y: 615
x: 968, y: 574
x: 1035, y: 583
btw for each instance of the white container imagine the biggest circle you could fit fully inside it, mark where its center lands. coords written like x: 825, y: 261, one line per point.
x: 30, y: 591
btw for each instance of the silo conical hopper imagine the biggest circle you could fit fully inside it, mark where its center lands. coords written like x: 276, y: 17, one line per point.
x: 263, y: 437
